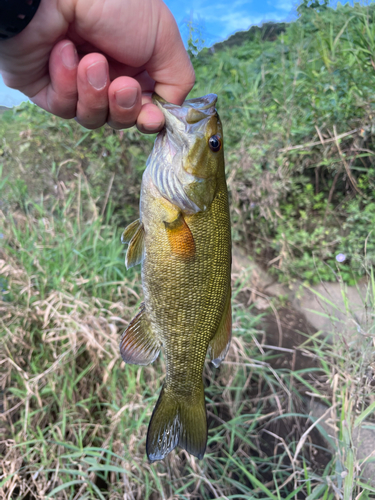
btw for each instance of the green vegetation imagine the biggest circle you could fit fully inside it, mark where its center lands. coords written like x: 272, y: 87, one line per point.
x: 308, y: 84
x: 73, y: 416
x: 297, y: 208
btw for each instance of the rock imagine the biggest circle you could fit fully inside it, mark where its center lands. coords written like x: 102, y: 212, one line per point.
x: 328, y: 306
x: 342, y: 312
x: 363, y: 439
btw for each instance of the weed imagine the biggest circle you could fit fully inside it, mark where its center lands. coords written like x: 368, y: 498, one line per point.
x: 297, y: 102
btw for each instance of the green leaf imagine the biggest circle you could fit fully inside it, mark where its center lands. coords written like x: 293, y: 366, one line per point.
x: 64, y: 486
x: 370, y: 409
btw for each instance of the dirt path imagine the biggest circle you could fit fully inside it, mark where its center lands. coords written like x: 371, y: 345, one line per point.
x: 330, y: 308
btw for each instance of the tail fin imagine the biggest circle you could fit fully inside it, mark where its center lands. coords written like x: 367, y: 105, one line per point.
x: 175, y: 422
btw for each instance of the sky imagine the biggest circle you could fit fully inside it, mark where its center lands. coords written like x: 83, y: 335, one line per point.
x: 214, y: 20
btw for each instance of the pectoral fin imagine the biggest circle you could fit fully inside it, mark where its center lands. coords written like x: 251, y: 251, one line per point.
x: 134, y: 235
x: 219, y: 345
x: 138, y: 344
x: 180, y: 238
x: 130, y: 231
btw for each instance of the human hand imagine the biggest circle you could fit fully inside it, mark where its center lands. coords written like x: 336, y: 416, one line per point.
x: 99, y: 61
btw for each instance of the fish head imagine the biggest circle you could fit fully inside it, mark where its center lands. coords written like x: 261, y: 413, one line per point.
x: 188, y: 156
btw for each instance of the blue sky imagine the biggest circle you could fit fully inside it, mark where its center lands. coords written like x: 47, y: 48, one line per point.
x: 216, y: 20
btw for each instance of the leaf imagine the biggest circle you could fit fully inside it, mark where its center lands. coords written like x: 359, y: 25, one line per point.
x: 364, y: 415
x: 64, y: 486
x: 317, y: 492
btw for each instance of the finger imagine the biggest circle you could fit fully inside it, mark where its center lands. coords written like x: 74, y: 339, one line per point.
x: 150, y: 119
x: 125, y: 102
x: 93, y: 84
x: 59, y: 96
x: 170, y: 65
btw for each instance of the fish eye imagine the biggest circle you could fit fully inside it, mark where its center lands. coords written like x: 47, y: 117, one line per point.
x: 215, y: 143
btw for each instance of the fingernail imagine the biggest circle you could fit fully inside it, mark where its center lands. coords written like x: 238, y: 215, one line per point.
x: 97, y: 75
x: 126, y: 98
x: 152, y: 127
x: 69, y: 56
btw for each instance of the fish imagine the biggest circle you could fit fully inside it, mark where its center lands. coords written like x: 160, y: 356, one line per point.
x: 183, y: 241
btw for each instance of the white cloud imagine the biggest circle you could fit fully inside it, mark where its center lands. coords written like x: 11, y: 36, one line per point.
x: 238, y: 3
x: 234, y: 21
x: 219, y: 20
x: 242, y: 23
x: 230, y: 19
x: 286, y: 5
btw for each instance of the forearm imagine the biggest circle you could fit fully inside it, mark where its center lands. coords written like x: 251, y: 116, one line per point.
x: 15, y: 15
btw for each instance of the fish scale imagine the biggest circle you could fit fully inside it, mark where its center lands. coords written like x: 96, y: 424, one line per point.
x: 182, y: 350
x: 184, y: 246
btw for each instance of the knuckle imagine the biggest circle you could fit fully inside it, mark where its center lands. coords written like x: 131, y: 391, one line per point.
x: 89, y: 126
x: 90, y: 122
x: 118, y: 125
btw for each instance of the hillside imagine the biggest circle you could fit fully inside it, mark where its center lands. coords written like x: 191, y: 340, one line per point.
x: 266, y: 32
x: 299, y: 114
x: 308, y: 84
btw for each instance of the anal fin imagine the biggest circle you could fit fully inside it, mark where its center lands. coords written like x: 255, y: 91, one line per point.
x: 138, y: 344
x: 134, y: 236
x: 180, y: 238
x: 219, y: 345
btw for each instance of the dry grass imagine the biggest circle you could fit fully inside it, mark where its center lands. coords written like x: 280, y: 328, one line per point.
x: 74, y: 417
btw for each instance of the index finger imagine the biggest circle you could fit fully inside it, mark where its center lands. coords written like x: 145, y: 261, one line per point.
x: 170, y: 65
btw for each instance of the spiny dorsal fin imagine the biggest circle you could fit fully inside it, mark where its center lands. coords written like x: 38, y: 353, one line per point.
x: 134, y: 254
x: 130, y: 231
x: 138, y: 344
x: 180, y: 238
x: 219, y: 345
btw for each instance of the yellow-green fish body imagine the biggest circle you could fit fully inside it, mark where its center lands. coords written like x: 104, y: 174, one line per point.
x: 183, y: 242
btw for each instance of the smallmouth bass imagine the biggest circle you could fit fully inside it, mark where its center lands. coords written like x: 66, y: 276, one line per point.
x: 183, y: 241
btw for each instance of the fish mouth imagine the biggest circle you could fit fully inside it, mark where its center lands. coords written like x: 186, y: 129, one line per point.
x: 186, y: 123
x: 203, y: 103
x: 190, y: 116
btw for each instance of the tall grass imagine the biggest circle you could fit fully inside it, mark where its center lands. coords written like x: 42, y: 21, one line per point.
x: 298, y: 114
x: 299, y: 111
x: 73, y: 416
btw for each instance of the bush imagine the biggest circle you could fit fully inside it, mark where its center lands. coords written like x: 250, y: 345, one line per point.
x: 294, y: 207
x: 297, y: 103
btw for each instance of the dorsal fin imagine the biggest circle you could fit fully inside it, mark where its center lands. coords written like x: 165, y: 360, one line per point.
x: 138, y: 344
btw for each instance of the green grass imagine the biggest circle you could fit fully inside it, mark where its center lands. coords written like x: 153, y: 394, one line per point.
x: 74, y: 417
x: 294, y: 208
x: 77, y: 416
